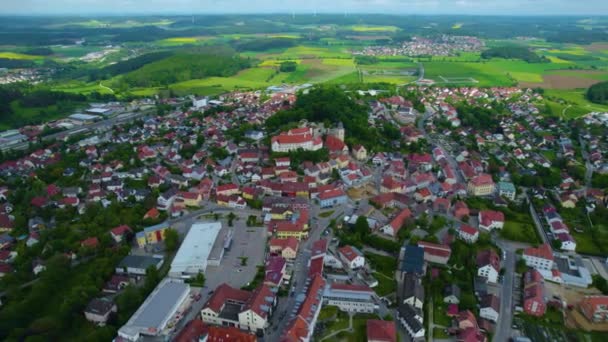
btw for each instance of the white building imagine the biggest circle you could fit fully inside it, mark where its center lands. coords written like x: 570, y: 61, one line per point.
x: 350, y: 298
x: 156, y: 311
x: 193, y: 254
x: 540, y: 258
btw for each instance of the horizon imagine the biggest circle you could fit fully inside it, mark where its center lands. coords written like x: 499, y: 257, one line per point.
x: 524, y: 8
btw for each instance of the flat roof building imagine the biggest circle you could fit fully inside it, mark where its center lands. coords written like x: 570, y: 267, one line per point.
x: 155, y: 312
x: 138, y: 264
x: 193, y: 254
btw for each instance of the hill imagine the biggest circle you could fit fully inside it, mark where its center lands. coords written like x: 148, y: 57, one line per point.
x: 184, y: 67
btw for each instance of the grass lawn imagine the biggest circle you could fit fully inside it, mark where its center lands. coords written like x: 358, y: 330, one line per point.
x: 519, y: 231
x: 439, y: 333
x: 386, y: 285
x: 359, y: 333
x: 439, y: 312
x: 341, y: 322
x: 327, y: 312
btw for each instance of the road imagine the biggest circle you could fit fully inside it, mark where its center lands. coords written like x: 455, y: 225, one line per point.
x: 588, y: 166
x: 503, y: 326
x: 433, y: 142
x: 537, y: 222
x: 300, y: 271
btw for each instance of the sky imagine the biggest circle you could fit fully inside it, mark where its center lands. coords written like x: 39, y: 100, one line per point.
x: 473, y: 7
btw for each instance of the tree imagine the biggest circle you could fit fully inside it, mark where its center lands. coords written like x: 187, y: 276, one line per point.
x: 556, y: 244
x: 362, y: 226
x: 171, y: 239
x: 600, y: 283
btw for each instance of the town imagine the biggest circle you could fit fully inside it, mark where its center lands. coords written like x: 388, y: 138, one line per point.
x: 419, y: 46
x: 254, y: 217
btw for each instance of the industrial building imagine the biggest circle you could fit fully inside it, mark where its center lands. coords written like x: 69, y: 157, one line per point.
x: 197, y: 249
x: 155, y: 313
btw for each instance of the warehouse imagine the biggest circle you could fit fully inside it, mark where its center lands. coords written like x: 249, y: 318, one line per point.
x: 157, y: 310
x: 193, y: 254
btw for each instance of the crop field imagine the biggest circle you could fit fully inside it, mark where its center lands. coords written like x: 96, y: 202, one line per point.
x: 15, y: 55
x: 373, y: 28
x: 303, y: 51
x: 83, y: 88
x: 575, y: 101
x: 176, y: 41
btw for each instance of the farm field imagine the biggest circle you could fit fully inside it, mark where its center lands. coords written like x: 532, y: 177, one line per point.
x: 16, y: 55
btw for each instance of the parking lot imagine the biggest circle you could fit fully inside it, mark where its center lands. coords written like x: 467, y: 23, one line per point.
x: 247, y: 242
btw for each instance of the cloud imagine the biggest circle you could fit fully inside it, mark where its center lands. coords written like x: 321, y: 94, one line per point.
x: 518, y: 7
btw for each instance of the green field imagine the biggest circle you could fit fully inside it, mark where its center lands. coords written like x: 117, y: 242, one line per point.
x: 571, y: 103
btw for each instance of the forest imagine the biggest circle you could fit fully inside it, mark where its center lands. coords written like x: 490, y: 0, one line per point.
x: 513, y: 52
x: 598, y: 93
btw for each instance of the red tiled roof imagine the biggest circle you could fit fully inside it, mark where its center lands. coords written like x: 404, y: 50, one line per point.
x: 384, y: 331
x: 192, y: 331
x: 350, y: 287
x: 490, y: 216
x: 468, y: 229
x: 482, y: 179
x: 334, y: 144
x: 435, y: 249
x: 229, y: 334
x: 488, y: 257
x: 290, y: 242
x: 120, y: 230
x: 224, y: 292
x: 543, y: 251
x: 90, y: 242
x: 349, y: 253
x: 331, y: 194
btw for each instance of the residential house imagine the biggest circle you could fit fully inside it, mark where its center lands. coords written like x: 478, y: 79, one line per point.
x: 506, y: 190
x: 152, y: 234
x: 411, y: 291
x: 435, y: 253
x: 359, y: 152
x: 488, y: 265
x: 288, y: 248
x: 491, y: 219
x: 393, y: 227
x: 351, y: 257
x: 98, y: 310
x: 595, y: 308
x: 489, y: 308
x: 412, y: 320
x: 468, y: 233
x: 533, y: 297
x: 120, y: 233
x: 451, y: 294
